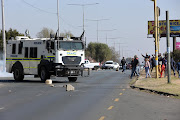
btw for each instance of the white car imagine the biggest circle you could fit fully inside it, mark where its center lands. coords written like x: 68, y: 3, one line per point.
x: 116, y: 66
x: 90, y: 65
x: 111, y: 65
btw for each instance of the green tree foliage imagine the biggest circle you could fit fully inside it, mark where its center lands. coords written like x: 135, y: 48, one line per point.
x: 11, y: 33
x: 45, y: 33
x: 176, y: 55
x: 98, y: 51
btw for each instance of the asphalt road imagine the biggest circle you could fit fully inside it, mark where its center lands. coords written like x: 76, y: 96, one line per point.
x: 104, y: 95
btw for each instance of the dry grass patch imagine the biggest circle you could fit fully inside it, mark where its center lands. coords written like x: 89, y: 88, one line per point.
x: 159, y: 84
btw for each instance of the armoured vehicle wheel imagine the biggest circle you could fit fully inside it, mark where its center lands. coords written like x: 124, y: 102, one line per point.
x: 44, y: 75
x: 72, y: 79
x: 18, y: 72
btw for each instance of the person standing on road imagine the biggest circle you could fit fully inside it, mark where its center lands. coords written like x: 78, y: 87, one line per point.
x: 135, y: 63
x: 123, y: 62
x: 178, y: 67
x: 147, y: 67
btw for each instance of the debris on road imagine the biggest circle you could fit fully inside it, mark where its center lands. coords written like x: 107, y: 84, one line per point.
x: 69, y: 87
x: 48, y: 81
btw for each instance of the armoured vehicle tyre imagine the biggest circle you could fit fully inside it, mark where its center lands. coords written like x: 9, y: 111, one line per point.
x: 44, y: 75
x: 72, y: 79
x: 18, y: 72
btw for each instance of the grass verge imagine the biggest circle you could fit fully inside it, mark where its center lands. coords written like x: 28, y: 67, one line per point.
x: 159, y: 84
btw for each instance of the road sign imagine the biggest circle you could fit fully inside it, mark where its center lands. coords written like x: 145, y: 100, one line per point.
x: 178, y: 45
x: 174, y: 28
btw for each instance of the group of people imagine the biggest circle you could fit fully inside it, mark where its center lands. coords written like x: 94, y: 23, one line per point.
x: 150, y: 63
x: 134, y: 65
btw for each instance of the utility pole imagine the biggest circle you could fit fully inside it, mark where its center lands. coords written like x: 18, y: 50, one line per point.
x: 106, y: 34
x: 58, y: 18
x: 4, y: 36
x: 120, y: 49
x: 83, y: 6
x: 158, y: 14
x: 156, y: 36
x: 168, y: 47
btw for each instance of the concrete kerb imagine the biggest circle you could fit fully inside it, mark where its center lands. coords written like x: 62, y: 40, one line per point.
x: 132, y: 85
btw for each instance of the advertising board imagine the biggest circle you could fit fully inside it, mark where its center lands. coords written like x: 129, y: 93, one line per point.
x: 174, y: 28
x: 178, y: 45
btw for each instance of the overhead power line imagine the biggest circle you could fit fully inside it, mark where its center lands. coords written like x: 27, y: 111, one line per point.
x: 38, y: 8
x: 42, y: 10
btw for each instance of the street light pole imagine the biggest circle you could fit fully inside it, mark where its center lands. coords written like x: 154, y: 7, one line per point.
x: 97, y: 26
x: 58, y: 19
x: 83, y: 5
x: 4, y: 35
x: 106, y: 33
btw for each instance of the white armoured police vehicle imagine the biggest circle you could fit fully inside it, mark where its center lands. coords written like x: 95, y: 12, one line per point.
x: 58, y: 56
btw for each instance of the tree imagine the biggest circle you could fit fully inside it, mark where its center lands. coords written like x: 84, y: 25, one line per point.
x: 45, y: 33
x: 11, y: 33
x: 98, y: 51
x: 115, y: 55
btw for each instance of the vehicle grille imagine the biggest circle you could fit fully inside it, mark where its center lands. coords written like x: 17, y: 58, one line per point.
x: 70, y: 60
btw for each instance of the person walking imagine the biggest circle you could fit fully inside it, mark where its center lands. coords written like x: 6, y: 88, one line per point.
x: 178, y: 67
x: 147, y: 67
x: 123, y: 62
x: 135, y: 63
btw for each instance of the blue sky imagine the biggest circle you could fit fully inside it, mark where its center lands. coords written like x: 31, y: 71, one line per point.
x: 129, y: 17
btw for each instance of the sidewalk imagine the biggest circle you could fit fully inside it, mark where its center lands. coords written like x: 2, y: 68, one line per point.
x: 159, y: 85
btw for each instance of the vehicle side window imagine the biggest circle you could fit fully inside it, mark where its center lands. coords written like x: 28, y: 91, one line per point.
x: 26, y: 52
x: 20, y: 48
x: 52, y: 45
x: 14, y: 49
x: 33, y: 52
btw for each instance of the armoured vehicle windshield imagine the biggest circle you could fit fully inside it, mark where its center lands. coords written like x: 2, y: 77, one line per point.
x: 69, y: 45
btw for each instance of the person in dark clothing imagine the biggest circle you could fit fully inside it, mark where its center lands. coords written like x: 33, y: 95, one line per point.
x: 123, y: 62
x: 173, y: 63
x: 178, y: 67
x: 153, y: 62
x: 132, y: 65
x: 135, y: 63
